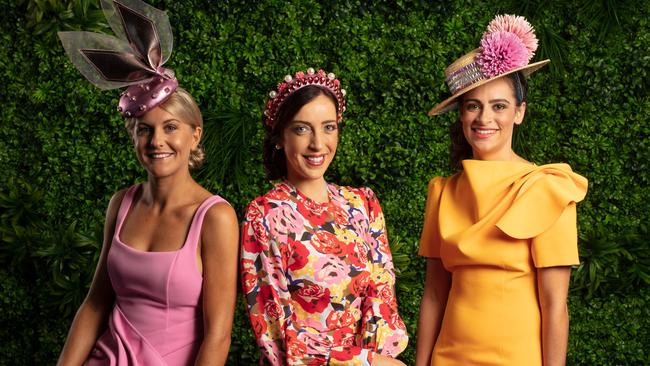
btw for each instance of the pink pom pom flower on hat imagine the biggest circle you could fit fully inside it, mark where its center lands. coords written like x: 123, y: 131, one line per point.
x: 508, y: 43
x: 500, y: 53
x: 517, y: 25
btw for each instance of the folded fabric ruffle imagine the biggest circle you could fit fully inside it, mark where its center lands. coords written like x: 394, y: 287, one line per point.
x: 542, y: 195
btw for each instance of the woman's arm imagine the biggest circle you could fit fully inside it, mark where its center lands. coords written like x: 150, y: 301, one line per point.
x: 432, y: 310
x: 219, y: 254
x: 553, y: 287
x: 92, y: 317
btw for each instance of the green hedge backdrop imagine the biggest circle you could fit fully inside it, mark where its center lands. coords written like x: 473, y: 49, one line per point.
x: 63, y: 150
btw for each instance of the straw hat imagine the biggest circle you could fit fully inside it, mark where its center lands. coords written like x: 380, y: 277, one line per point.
x: 507, y: 46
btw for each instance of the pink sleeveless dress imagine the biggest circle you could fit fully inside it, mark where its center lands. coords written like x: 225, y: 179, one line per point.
x: 157, y: 318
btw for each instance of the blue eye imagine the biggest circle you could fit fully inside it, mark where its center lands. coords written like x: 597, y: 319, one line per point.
x: 171, y: 128
x: 331, y: 127
x: 300, y: 129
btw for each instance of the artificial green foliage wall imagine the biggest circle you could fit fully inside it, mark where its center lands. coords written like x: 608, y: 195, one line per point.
x: 63, y: 150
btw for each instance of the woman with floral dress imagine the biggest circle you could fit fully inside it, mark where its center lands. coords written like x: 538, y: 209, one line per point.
x: 316, y: 267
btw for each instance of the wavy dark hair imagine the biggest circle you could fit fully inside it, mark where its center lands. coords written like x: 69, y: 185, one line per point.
x: 460, y: 149
x: 275, y: 162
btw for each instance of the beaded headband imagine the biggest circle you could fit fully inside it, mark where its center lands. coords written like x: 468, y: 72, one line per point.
x: 507, y: 46
x: 300, y: 80
x: 133, y: 58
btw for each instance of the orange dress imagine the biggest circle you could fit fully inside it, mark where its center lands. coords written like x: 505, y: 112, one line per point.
x: 492, y: 225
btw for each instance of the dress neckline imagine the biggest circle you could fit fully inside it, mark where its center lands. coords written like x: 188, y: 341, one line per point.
x: 129, y: 201
x: 289, y: 188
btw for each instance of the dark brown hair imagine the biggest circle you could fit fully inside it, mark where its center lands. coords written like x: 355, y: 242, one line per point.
x: 460, y: 149
x: 275, y: 162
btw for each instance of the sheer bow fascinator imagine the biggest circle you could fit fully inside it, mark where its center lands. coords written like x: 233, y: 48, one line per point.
x: 133, y: 58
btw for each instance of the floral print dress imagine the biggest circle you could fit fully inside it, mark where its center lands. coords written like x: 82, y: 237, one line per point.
x: 318, y: 278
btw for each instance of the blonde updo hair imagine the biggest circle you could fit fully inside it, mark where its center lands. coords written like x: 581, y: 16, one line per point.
x: 182, y: 105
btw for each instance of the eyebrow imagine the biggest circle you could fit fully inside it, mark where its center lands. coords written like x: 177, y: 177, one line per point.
x: 492, y: 101
x: 309, y: 123
x: 164, y: 122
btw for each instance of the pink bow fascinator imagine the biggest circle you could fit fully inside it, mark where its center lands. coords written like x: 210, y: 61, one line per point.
x: 133, y: 58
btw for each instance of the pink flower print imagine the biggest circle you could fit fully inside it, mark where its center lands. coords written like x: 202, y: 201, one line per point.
x: 317, y: 344
x: 283, y: 221
x: 330, y: 269
x: 392, y: 345
x: 359, y: 222
x: 275, y: 274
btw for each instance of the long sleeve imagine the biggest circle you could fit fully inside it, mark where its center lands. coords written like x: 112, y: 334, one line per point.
x: 265, y: 287
x: 384, y: 331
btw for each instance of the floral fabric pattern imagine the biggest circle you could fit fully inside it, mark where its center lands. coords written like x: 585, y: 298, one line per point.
x: 319, y: 279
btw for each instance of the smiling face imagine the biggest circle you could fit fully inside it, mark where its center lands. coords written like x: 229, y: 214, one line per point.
x: 488, y: 115
x: 163, y: 143
x: 309, y: 141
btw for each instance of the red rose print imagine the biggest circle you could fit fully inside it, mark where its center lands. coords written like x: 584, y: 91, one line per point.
x: 357, y: 254
x: 385, y: 312
x: 312, y: 297
x: 248, y: 276
x: 359, y: 284
x: 266, y: 298
x: 258, y: 322
x: 295, y: 348
x: 327, y: 243
x: 341, y: 217
x: 298, y: 255
x: 345, y: 353
x: 340, y: 319
x: 273, y: 310
x: 386, y: 294
x: 314, y: 217
x: 344, y: 337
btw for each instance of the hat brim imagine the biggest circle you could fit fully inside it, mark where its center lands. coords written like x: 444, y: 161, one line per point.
x: 451, y: 102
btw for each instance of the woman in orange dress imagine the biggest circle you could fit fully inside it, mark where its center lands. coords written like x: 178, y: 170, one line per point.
x: 500, y: 235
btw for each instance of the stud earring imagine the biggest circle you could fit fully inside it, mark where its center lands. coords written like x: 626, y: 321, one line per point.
x: 278, y: 147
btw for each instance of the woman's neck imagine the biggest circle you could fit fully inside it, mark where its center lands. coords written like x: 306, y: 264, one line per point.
x: 508, y: 155
x: 172, y: 190
x: 316, y: 190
